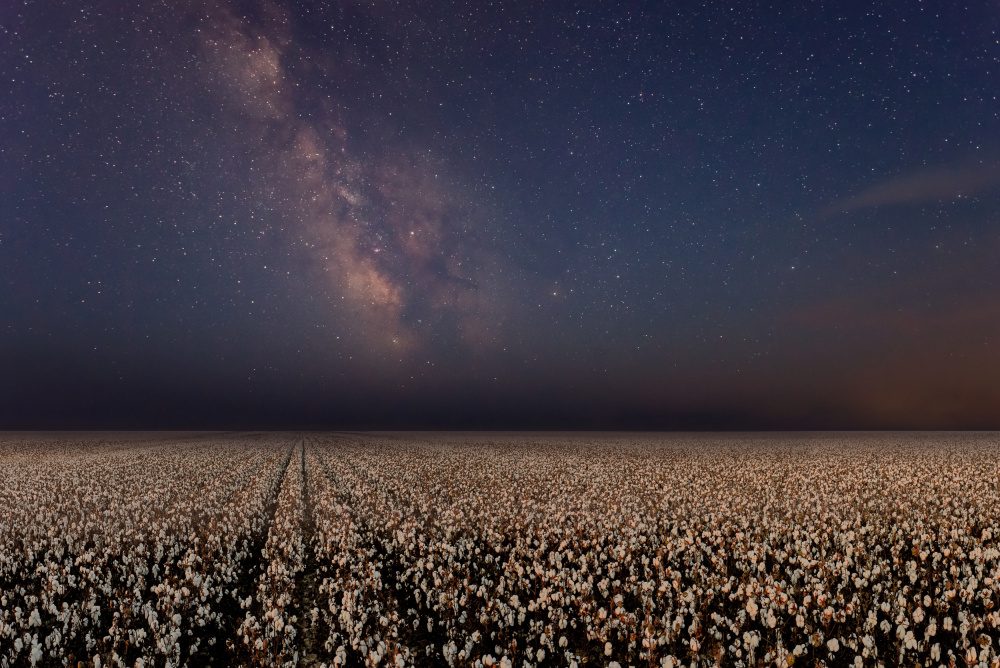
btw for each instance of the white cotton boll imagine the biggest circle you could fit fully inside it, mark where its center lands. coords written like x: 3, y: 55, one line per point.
x: 36, y: 654
x: 540, y: 654
x: 833, y: 644
x: 562, y: 641
x: 97, y: 661
x: 667, y: 662
x: 607, y: 649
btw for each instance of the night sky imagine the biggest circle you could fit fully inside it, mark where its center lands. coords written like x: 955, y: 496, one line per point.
x: 475, y: 214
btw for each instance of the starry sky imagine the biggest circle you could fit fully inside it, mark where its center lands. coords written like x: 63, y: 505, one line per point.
x: 499, y: 214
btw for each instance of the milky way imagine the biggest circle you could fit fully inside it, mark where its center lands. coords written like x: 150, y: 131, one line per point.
x: 394, y: 237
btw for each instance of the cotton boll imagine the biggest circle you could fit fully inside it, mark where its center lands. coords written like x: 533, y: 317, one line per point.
x: 36, y: 654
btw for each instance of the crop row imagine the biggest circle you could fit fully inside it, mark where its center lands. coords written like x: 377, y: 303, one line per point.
x: 842, y: 551
x: 487, y: 550
x: 130, y: 555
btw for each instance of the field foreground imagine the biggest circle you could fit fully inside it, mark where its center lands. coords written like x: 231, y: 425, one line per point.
x: 499, y: 550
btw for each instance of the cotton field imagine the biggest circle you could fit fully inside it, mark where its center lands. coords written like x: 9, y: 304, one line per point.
x: 499, y: 550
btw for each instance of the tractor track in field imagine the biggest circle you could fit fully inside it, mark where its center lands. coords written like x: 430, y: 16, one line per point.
x: 230, y: 647
x: 307, y: 582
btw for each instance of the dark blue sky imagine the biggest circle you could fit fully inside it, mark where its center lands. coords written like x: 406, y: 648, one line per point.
x: 499, y: 214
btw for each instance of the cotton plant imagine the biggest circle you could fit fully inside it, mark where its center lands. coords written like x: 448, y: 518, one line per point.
x: 628, y: 550
x: 125, y: 551
x: 488, y: 550
x: 269, y: 630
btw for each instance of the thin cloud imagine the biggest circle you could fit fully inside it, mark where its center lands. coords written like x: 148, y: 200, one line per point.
x: 941, y: 184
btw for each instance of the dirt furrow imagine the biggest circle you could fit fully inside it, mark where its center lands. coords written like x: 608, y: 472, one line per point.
x: 233, y: 611
x: 309, y: 578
